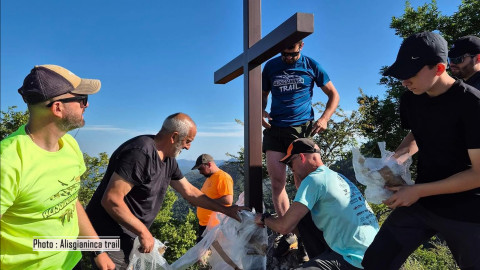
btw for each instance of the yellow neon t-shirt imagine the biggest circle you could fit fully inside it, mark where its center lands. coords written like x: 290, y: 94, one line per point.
x: 39, y: 191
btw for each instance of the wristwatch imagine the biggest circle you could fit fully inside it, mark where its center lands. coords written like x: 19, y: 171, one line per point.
x: 97, y: 252
x: 264, y: 216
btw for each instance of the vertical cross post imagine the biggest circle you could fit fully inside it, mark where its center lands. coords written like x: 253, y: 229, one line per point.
x: 252, y: 108
x: 256, y: 51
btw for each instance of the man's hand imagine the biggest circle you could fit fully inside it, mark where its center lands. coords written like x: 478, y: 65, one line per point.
x: 403, y: 196
x: 146, y: 241
x: 232, y: 211
x: 319, y: 126
x: 265, y: 124
x: 258, y: 220
x: 104, y: 262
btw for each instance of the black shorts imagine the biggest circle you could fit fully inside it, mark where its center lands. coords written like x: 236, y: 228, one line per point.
x: 279, y: 138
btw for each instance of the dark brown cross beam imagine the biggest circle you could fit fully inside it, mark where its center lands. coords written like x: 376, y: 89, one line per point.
x: 257, y: 50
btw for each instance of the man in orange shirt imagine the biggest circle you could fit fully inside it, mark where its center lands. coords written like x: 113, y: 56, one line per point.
x: 218, y: 186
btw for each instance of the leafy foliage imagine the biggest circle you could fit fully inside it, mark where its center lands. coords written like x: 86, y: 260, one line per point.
x: 11, y: 121
x: 180, y: 235
x: 92, y: 177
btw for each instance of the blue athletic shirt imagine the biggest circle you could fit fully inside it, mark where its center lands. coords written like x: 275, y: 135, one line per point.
x: 292, y: 86
x: 339, y: 210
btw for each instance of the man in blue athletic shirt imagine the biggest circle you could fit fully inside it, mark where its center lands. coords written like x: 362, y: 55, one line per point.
x: 291, y: 78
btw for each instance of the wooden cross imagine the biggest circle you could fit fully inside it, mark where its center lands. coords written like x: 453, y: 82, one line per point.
x: 256, y: 51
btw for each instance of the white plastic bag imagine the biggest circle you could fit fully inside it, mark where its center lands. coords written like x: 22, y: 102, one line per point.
x: 376, y: 173
x: 234, y: 245
x: 242, y: 244
x: 148, y: 261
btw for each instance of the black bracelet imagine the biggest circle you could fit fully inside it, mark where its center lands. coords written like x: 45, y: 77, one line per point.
x: 264, y: 216
x: 97, y: 252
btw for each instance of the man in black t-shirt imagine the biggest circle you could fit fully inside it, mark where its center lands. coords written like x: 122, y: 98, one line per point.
x: 443, y: 116
x: 132, y: 190
x: 464, y: 57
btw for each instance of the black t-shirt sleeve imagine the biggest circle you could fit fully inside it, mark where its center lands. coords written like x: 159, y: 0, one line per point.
x: 176, y: 172
x: 131, y: 165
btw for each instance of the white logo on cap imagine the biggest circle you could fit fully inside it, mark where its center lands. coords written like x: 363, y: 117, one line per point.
x: 415, y: 58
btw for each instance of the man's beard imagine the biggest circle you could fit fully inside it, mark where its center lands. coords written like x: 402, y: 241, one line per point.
x: 207, y: 175
x: 178, y: 148
x: 71, y: 121
x: 462, y: 72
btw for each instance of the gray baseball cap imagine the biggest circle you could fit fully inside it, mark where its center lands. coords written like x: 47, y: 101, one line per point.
x: 202, y: 159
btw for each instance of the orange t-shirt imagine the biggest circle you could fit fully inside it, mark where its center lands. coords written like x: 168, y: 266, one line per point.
x: 216, y: 186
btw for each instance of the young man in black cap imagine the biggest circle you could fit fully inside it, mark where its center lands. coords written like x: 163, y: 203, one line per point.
x: 218, y: 186
x: 464, y: 59
x: 334, y: 220
x: 443, y: 116
x: 41, y: 167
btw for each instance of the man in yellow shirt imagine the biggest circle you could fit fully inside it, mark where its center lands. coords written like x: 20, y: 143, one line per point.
x: 218, y: 186
x: 40, y: 171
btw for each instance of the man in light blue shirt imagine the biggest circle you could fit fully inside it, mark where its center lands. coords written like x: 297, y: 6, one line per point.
x: 336, y: 207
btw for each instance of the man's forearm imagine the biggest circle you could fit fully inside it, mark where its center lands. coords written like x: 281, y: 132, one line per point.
x: 408, y: 147
x: 84, y: 224
x: 327, y: 114
x: 200, y: 199
x: 119, y: 211
x: 332, y: 102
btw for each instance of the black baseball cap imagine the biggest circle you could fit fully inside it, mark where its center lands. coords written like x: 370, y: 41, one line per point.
x: 302, y: 145
x: 202, y: 159
x: 464, y: 45
x: 417, y: 51
x: 47, y: 81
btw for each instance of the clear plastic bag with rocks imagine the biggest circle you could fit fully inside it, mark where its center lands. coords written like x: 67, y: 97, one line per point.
x: 148, y: 261
x: 376, y: 173
x: 229, y: 245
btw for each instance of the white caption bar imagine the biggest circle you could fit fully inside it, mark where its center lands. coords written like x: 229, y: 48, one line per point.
x: 76, y: 244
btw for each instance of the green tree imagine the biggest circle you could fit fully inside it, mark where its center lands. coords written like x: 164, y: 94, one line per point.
x: 11, y: 121
x: 92, y: 177
x: 179, y: 236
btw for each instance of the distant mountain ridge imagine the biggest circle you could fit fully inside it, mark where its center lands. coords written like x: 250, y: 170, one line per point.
x: 186, y: 165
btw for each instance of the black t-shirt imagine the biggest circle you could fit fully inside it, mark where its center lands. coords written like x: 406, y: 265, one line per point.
x: 137, y: 162
x: 474, y: 80
x: 444, y: 128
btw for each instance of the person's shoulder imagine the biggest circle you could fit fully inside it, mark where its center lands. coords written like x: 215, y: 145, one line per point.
x: 467, y: 91
x: 12, y: 142
x: 140, y: 142
x: 224, y: 174
x: 273, y: 62
x: 309, y: 60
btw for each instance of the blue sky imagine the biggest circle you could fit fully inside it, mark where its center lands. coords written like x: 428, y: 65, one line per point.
x: 155, y: 58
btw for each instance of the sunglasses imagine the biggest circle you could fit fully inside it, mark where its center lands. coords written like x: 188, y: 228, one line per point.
x: 459, y: 60
x: 289, y: 164
x: 83, y: 99
x: 291, y: 54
